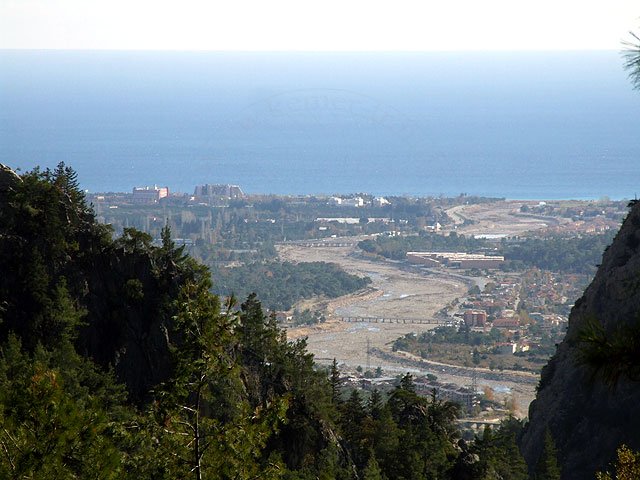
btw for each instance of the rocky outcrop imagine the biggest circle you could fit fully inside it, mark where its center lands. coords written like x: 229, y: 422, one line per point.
x: 588, y: 415
x: 8, y: 178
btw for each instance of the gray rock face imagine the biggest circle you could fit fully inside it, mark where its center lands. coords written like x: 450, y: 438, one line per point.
x: 588, y: 417
x: 8, y: 178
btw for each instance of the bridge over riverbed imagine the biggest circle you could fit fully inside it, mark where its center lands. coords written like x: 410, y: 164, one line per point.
x: 478, y: 423
x: 406, y: 320
x: 319, y: 244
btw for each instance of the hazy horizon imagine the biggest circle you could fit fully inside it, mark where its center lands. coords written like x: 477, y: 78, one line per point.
x: 312, y: 123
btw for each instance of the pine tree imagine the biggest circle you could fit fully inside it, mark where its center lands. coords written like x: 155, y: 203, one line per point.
x: 547, y: 467
x: 210, y: 428
x: 407, y: 384
x: 48, y: 429
x: 372, y: 471
x: 499, y: 453
x: 374, y: 405
x: 352, y: 417
x: 353, y: 413
x: 385, y: 440
x: 334, y: 380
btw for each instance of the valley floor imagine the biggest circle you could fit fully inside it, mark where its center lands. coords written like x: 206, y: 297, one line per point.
x: 397, y: 290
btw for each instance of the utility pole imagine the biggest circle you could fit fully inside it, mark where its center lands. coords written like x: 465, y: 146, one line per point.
x: 474, y: 389
x: 474, y: 381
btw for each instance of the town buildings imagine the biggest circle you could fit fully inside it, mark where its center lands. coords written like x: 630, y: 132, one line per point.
x: 218, y: 191
x: 464, y: 396
x: 346, y: 202
x: 475, y: 318
x: 455, y: 259
x: 149, y: 195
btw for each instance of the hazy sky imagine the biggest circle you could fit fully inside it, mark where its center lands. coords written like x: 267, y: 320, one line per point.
x: 318, y: 25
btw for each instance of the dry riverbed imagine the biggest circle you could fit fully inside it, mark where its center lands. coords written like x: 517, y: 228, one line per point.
x: 395, y: 292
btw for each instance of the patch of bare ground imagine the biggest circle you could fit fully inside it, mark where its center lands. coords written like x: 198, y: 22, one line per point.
x: 499, y: 218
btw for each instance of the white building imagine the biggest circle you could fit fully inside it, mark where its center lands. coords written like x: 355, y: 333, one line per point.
x: 353, y: 202
x: 381, y: 202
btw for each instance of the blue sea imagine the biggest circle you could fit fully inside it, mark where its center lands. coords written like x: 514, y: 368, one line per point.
x: 522, y: 125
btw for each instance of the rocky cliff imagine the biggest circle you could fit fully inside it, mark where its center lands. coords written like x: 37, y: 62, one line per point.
x: 8, y: 178
x: 589, y: 393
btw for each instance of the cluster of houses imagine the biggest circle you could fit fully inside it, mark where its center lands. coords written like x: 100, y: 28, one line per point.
x: 217, y: 191
x: 467, y: 397
x: 500, y: 307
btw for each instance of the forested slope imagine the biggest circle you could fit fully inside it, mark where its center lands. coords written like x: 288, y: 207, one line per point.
x: 280, y: 284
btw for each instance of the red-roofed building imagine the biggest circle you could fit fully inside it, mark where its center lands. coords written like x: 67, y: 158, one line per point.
x: 510, y: 323
x: 475, y: 318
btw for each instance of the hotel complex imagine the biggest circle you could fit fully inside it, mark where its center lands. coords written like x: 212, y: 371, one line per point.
x: 455, y: 259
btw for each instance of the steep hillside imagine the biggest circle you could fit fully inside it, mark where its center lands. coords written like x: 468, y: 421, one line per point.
x: 590, y: 390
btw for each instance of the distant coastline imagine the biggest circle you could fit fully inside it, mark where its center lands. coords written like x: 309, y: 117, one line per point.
x: 325, y: 195
x: 410, y: 124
